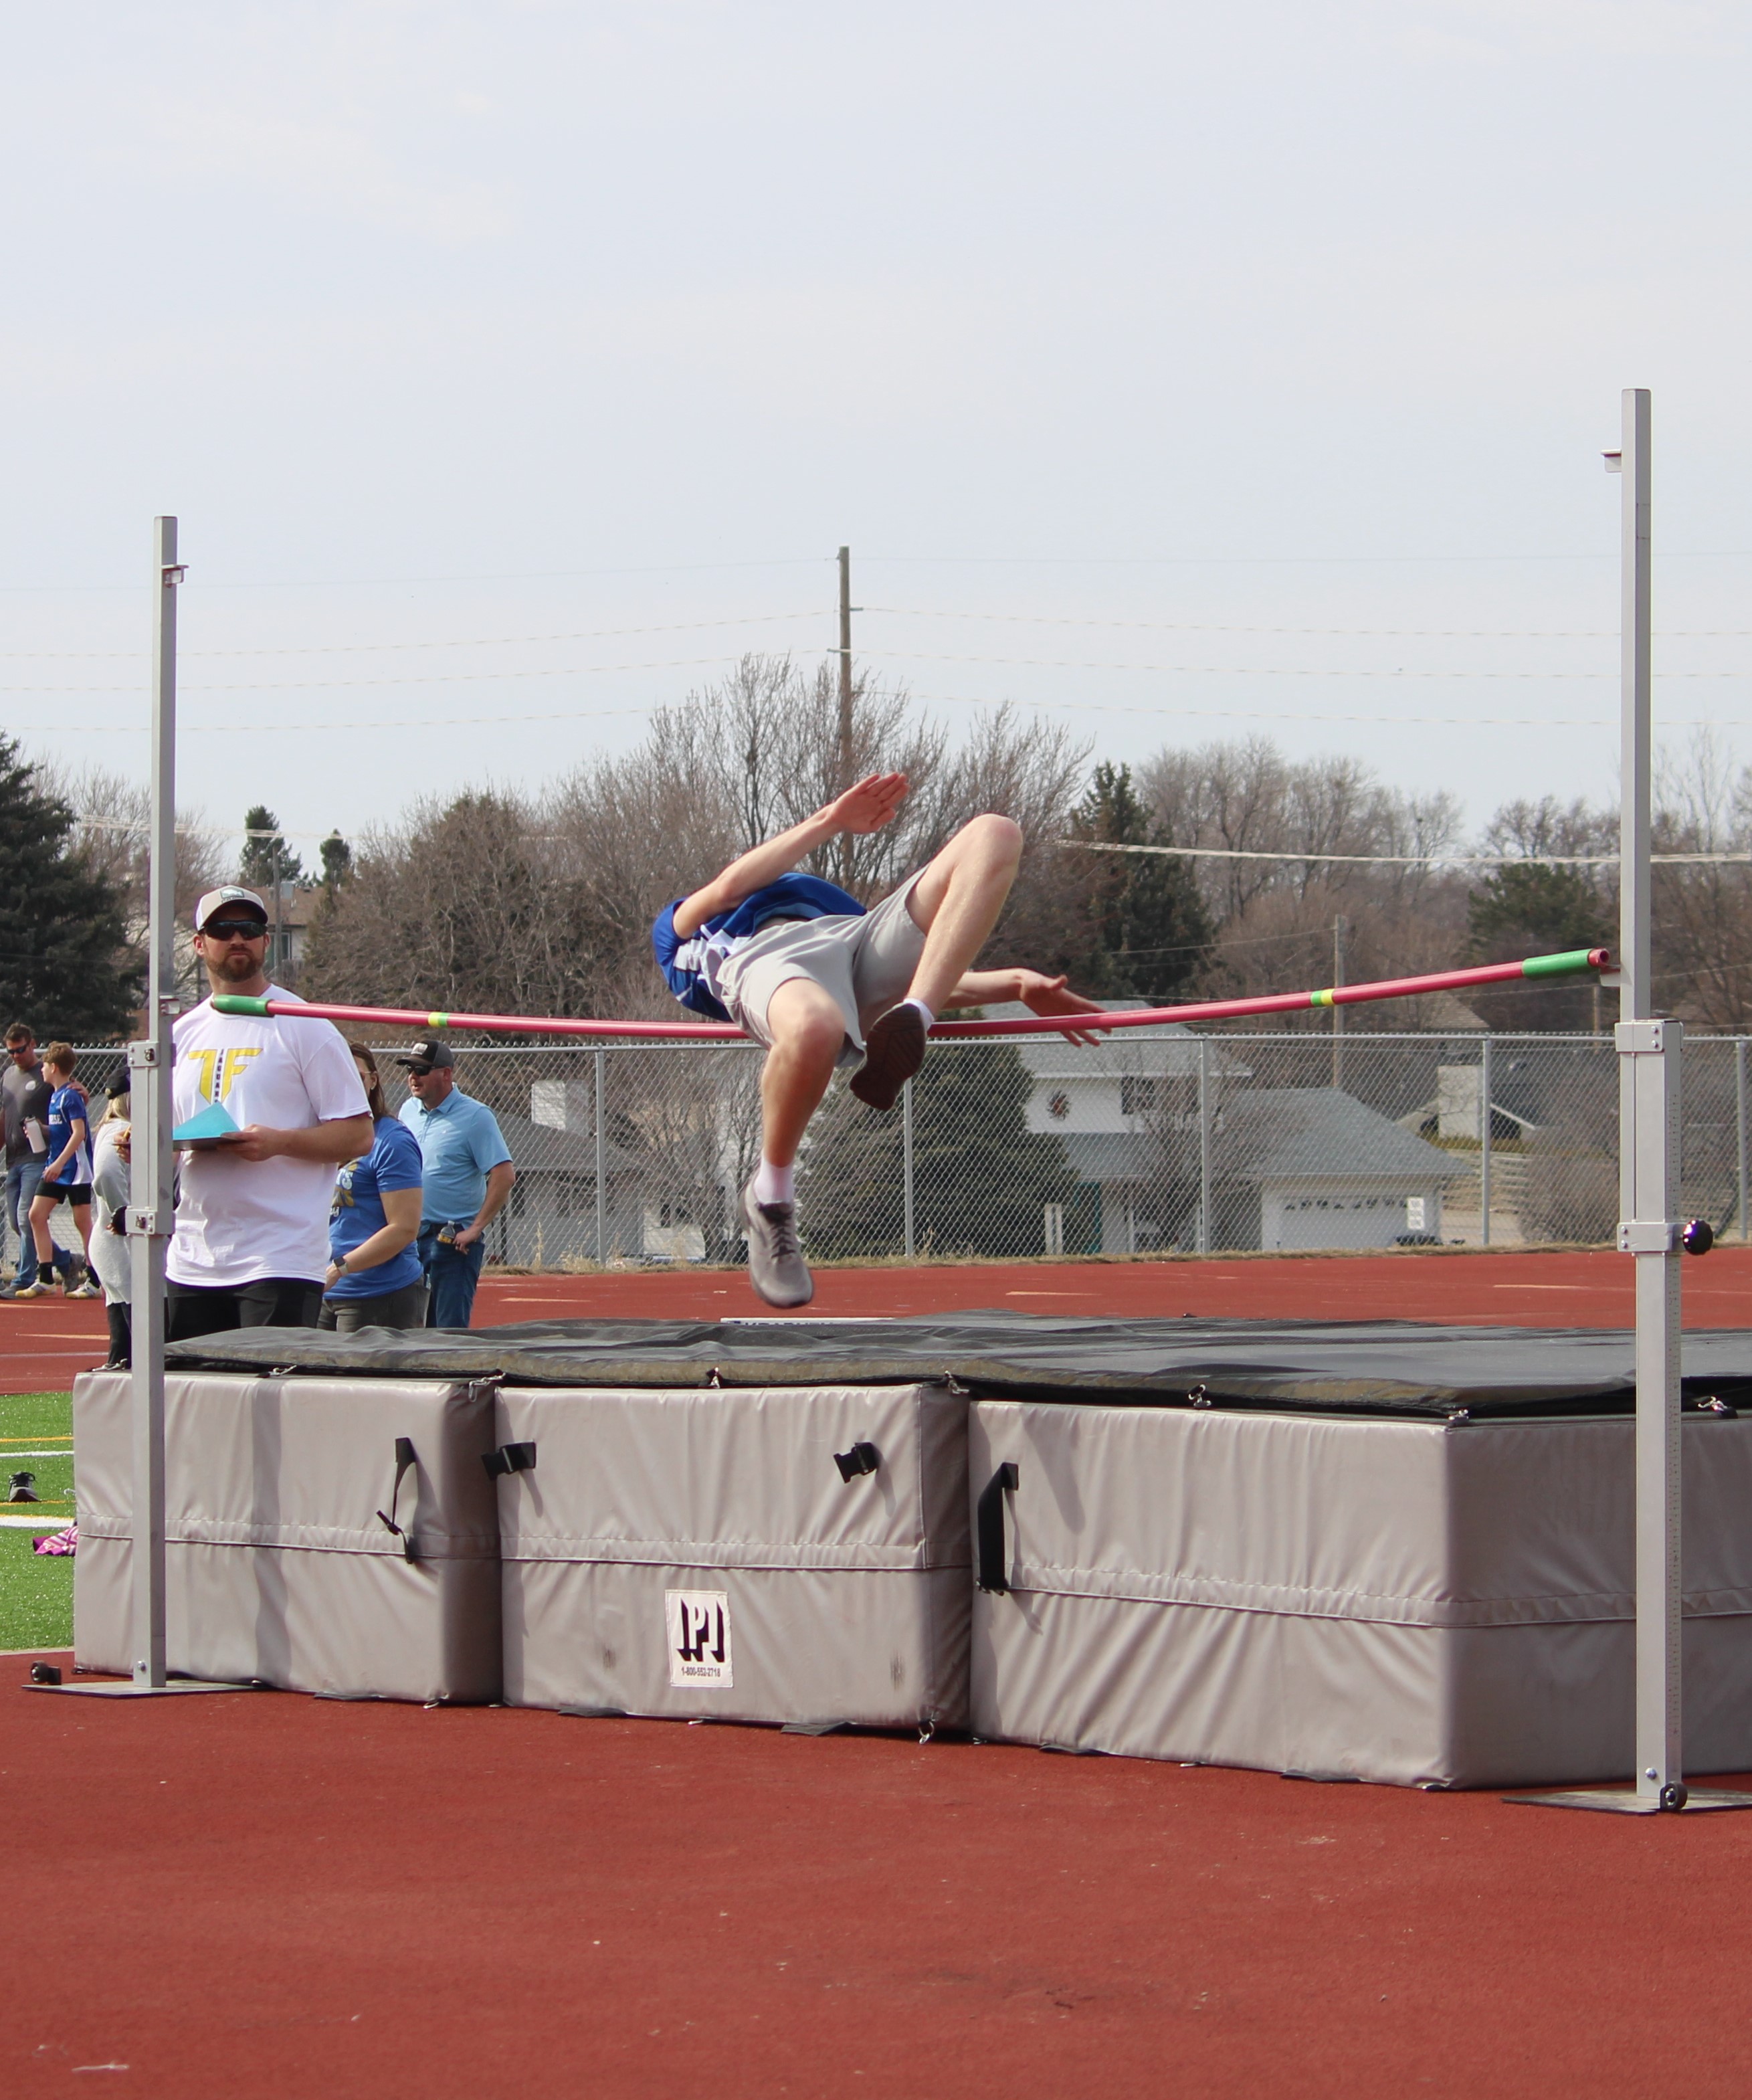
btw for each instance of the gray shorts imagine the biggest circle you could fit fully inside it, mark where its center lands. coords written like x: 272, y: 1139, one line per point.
x: 866, y: 965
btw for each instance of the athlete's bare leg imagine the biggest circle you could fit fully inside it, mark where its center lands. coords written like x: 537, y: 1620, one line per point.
x: 956, y: 901
x: 809, y: 1033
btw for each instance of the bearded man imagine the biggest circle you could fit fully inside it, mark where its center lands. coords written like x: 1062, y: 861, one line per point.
x: 251, y: 1244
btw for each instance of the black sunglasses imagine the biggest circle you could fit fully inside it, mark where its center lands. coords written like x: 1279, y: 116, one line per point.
x: 228, y: 930
x: 419, y: 1071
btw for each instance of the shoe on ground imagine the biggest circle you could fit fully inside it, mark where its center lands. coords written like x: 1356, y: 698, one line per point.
x: 38, y: 1289
x: 894, y: 1051
x: 23, y: 1488
x: 776, y: 1267
x: 87, y: 1288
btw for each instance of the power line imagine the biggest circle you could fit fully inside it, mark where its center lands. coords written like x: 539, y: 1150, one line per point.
x: 1411, y: 860
x: 1264, y: 670
x: 1394, y: 633
x: 364, y: 648
x: 424, y: 678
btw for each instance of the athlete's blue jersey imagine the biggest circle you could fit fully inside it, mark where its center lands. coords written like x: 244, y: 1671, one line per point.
x: 691, y: 966
x: 67, y: 1107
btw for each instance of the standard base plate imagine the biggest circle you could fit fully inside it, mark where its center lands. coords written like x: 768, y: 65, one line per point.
x: 122, y: 1688
x: 1622, y: 1801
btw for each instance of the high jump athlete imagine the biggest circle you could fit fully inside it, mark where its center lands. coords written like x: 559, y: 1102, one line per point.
x: 803, y: 968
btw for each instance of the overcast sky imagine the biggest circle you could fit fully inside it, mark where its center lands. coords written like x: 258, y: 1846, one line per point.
x: 1271, y: 347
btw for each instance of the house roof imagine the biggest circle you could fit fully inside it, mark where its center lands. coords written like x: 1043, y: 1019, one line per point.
x: 1166, y: 1050
x: 1309, y: 1133
x: 1277, y: 1134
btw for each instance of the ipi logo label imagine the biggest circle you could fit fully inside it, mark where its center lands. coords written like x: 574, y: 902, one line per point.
x: 697, y: 1622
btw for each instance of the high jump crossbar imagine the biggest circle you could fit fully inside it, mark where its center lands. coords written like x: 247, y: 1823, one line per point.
x: 1571, y: 963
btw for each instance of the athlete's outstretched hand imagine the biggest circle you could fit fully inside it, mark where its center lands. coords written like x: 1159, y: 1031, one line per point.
x: 869, y: 804
x: 1047, y: 995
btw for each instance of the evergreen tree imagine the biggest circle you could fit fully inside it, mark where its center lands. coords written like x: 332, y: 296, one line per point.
x: 336, y: 863
x: 63, y: 966
x: 1149, y: 927
x: 1535, y: 910
x: 264, y: 856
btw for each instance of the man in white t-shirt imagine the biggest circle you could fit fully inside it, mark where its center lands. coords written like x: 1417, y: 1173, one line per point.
x: 251, y: 1245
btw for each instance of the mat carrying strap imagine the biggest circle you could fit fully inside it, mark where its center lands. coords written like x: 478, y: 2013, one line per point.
x: 988, y: 1525
x: 510, y: 1459
x: 405, y: 1461
x: 862, y: 1458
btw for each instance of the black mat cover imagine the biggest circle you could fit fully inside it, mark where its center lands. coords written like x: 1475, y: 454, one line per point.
x: 1369, y: 1367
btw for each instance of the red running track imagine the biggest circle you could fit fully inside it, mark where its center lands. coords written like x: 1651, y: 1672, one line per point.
x: 270, y: 1896
x: 265, y: 1895
x: 45, y: 1342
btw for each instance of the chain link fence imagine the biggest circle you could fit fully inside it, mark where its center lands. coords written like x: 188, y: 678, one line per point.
x: 1157, y: 1139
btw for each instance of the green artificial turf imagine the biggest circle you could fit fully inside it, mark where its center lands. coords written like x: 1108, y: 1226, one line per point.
x: 36, y: 1590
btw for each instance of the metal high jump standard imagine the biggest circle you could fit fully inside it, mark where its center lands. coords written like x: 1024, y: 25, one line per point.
x: 1649, y: 1136
x: 149, y: 1217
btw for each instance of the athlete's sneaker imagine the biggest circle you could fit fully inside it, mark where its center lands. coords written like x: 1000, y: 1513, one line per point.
x: 23, y: 1488
x: 893, y: 1052
x: 776, y: 1267
x: 86, y: 1288
x: 40, y: 1288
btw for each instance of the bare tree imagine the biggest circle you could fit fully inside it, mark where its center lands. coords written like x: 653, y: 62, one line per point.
x: 1703, y: 912
x: 545, y: 907
x: 1276, y: 914
x: 114, y: 836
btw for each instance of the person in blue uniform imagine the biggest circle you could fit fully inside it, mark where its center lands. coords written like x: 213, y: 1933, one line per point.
x: 66, y: 1175
x: 802, y: 966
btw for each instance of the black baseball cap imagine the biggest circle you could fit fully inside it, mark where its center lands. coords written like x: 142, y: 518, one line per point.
x: 431, y: 1053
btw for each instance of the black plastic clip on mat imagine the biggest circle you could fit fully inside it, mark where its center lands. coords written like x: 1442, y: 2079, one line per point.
x: 510, y: 1459
x: 988, y: 1523
x: 404, y: 1462
x: 862, y: 1458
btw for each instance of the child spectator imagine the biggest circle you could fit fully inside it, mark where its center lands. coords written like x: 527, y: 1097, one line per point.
x: 66, y: 1177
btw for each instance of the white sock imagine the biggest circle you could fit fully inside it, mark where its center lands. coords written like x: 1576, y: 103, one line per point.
x: 774, y: 1185
x: 929, y: 1016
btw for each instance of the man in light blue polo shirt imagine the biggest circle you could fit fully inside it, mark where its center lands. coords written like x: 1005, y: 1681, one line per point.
x: 467, y: 1177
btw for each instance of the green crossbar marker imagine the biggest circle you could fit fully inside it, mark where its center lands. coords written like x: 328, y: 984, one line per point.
x: 1557, y: 966
x: 226, y: 1002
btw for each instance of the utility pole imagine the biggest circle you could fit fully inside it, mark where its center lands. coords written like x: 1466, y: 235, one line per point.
x: 845, y: 669
x: 847, y: 758
x: 1339, y: 931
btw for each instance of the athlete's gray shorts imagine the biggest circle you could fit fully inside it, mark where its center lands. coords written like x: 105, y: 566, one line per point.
x: 866, y: 965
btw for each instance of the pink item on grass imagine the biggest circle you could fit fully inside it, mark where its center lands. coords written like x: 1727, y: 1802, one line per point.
x: 58, y: 1541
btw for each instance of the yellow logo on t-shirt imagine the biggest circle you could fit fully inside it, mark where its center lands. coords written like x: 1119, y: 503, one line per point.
x: 219, y: 1068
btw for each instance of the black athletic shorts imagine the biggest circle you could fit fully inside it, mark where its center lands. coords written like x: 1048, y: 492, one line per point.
x: 78, y: 1193
x: 269, y: 1301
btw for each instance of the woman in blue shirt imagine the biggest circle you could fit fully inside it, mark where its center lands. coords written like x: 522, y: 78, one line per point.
x: 374, y: 1278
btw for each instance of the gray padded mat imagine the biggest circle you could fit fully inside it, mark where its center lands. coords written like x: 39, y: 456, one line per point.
x: 1369, y: 1367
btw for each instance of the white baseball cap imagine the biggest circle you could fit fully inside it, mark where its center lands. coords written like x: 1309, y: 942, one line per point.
x: 215, y: 899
